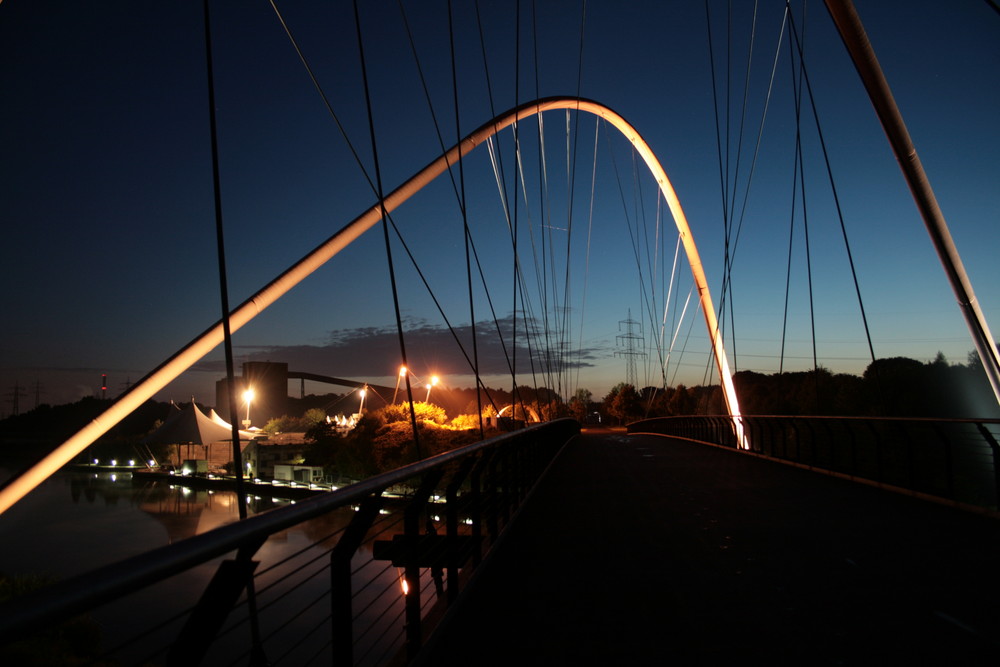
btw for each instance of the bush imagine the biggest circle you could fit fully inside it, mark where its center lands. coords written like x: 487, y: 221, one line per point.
x: 285, y: 424
x: 400, y: 412
x: 465, y: 422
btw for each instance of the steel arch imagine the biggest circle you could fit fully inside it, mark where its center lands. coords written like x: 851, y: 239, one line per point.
x: 207, y: 341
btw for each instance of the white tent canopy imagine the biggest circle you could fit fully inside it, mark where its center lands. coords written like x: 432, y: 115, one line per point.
x: 192, y: 426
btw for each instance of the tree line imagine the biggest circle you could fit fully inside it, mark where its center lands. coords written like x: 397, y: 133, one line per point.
x: 891, y: 387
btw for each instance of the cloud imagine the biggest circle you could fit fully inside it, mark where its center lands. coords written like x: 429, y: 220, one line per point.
x: 374, y: 351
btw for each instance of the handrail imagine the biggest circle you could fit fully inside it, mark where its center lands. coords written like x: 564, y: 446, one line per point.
x: 66, y: 599
x: 957, y: 460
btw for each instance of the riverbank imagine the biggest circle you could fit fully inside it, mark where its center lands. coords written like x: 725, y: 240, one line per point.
x: 257, y: 487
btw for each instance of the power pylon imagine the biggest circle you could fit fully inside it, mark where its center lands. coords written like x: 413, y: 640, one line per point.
x: 14, y: 397
x: 628, y: 339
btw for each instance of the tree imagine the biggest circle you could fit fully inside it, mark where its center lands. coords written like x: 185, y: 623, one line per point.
x: 682, y: 401
x: 312, y: 417
x: 553, y: 410
x: 623, y: 402
x: 579, y: 405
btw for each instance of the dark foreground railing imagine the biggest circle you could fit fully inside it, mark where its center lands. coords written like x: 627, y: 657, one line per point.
x: 955, y: 459
x: 357, y: 576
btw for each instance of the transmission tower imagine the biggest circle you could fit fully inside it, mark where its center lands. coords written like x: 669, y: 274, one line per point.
x: 14, y: 397
x: 628, y: 340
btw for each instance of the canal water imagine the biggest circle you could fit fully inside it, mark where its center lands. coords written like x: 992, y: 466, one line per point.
x: 78, y: 521
x: 75, y: 521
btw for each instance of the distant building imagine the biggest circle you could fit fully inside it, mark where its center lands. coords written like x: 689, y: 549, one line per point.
x: 264, y: 458
x: 291, y: 472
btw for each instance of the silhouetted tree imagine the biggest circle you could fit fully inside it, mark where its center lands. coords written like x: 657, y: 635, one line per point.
x: 682, y: 401
x: 622, y: 403
x: 580, y: 404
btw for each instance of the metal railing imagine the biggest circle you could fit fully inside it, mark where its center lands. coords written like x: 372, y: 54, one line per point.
x: 954, y: 459
x: 357, y: 576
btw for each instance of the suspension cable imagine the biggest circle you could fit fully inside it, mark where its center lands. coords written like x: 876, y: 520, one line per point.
x: 385, y: 232
x: 514, y: 393
x: 571, y: 168
x: 798, y: 89
x: 465, y: 220
x: 227, y: 340
x: 322, y: 94
x: 760, y: 135
x: 836, y: 200
x: 726, y: 296
x: 586, y: 271
x: 459, y: 198
x: 427, y: 94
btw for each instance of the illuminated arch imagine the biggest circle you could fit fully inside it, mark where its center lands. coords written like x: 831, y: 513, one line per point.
x: 206, y: 342
x: 532, y: 413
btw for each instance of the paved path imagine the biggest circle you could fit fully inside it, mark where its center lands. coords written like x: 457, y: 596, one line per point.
x: 644, y: 550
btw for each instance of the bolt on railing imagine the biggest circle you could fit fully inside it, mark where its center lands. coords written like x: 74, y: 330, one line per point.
x: 355, y: 576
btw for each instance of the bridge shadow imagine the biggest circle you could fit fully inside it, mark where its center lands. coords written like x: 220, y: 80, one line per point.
x: 646, y: 549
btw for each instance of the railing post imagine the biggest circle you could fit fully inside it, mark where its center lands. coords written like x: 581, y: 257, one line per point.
x: 854, y: 447
x: 341, y: 595
x: 798, y: 440
x: 411, y: 528
x: 493, y: 484
x: 949, y: 474
x: 995, y: 448
x: 222, y: 592
x: 878, y: 452
x: 455, y: 557
x: 506, y: 474
x: 476, y: 506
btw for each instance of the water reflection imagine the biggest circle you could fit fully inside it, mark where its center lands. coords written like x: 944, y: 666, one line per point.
x: 77, y: 522
x: 104, y: 517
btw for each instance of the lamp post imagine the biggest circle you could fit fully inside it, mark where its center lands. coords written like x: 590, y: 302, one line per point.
x: 402, y: 374
x: 430, y: 385
x: 248, y: 396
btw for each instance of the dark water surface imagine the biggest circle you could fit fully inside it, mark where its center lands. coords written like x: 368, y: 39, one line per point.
x: 75, y: 521
x: 78, y: 521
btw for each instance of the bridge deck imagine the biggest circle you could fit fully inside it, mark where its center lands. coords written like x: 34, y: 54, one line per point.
x: 643, y: 549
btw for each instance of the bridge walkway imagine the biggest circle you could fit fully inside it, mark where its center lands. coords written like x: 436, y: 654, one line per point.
x: 645, y: 550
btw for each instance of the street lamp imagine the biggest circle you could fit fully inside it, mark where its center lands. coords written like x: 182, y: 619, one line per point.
x: 434, y: 381
x: 399, y: 378
x: 248, y: 396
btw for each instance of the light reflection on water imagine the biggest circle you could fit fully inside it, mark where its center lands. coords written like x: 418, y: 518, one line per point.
x: 76, y: 522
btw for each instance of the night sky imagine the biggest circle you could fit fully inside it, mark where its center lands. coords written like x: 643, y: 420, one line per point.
x: 109, y: 254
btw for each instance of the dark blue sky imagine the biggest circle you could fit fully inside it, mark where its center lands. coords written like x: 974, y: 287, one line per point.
x: 108, y: 252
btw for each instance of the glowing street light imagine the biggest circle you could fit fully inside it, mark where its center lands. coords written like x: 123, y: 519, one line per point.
x: 434, y: 381
x: 248, y: 396
x: 399, y: 378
